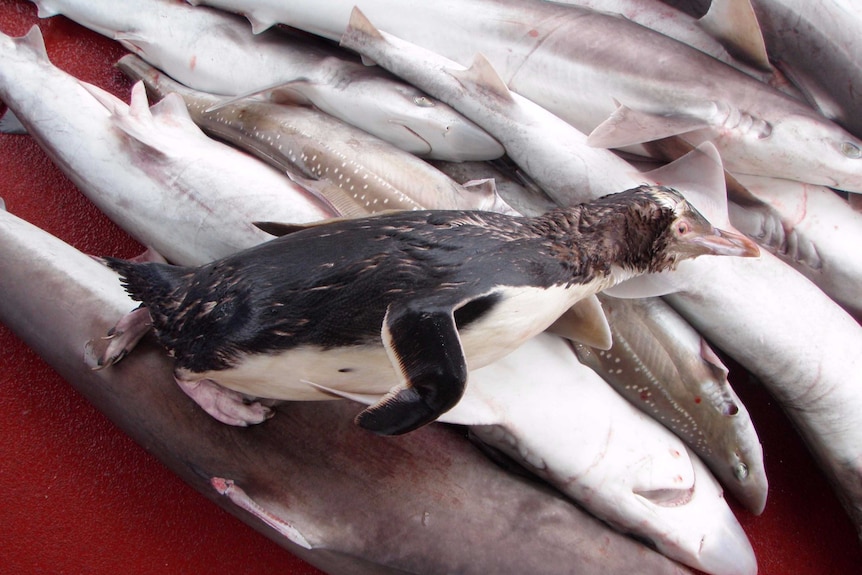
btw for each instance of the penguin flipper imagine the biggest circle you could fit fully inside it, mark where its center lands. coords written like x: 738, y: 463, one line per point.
x: 425, y: 347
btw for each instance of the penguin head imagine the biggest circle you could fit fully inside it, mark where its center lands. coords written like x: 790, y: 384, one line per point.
x: 661, y: 228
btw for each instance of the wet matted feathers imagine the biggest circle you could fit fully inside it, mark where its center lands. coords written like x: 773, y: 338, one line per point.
x: 404, y: 302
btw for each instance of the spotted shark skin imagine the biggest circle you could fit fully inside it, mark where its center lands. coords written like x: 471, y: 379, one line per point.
x: 625, y: 96
x: 351, y: 170
x: 687, y: 391
x: 213, y: 51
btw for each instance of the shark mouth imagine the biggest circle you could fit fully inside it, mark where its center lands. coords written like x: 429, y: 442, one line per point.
x: 667, y: 497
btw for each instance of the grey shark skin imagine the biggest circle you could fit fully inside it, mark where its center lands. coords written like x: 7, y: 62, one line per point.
x: 815, y: 42
x: 213, y: 51
x: 800, y: 344
x: 737, y: 307
x: 812, y: 41
x: 679, y: 25
x: 427, y: 503
x: 123, y: 158
x: 353, y: 170
x: 812, y: 229
x: 542, y: 49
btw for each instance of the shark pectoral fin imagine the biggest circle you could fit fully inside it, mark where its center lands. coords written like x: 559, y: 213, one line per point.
x: 734, y: 24
x: 626, y: 127
x: 34, y: 40
x: 243, y: 500
x: 425, y: 348
x: 648, y: 285
x: 331, y: 195
x: 585, y: 322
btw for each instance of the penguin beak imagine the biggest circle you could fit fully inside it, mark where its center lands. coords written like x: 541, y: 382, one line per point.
x: 724, y: 243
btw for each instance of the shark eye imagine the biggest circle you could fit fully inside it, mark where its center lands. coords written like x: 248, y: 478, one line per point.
x: 851, y: 150
x: 423, y: 102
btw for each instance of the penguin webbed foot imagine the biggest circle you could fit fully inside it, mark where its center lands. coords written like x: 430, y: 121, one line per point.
x: 124, y: 336
x: 223, y: 404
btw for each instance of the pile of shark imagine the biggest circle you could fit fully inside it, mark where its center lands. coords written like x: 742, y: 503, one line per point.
x: 250, y: 119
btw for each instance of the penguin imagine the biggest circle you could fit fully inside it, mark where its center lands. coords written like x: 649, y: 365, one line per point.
x: 399, y: 303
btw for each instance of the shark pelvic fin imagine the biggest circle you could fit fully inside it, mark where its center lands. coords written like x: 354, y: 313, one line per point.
x: 259, y: 22
x: 486, y: 196
x: 734, y: 24
x: 585, y: 322
x: 627, y: 126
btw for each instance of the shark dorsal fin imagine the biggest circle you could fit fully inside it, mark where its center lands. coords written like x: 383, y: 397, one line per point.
x: 360, y: 22
x: 734, y: 24
x: 699, y: 175
x: 482, y: 74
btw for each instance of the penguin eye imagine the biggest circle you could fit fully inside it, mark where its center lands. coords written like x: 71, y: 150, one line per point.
x: 682, y: 228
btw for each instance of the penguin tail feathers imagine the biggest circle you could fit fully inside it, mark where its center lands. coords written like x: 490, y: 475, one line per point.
x: 151, y: 283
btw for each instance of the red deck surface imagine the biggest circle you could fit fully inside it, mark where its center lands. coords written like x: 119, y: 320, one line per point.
x: 78, y: 496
